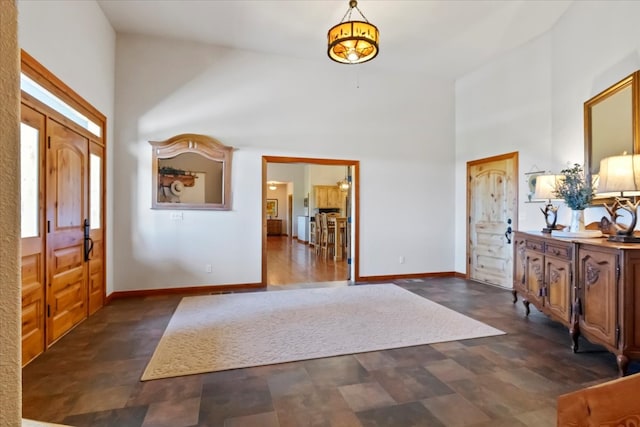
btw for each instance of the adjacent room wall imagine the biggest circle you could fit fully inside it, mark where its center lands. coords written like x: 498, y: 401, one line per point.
x: 293, y: 173
x: 74, y: 40
x: 531, y: 100
x: 10, y: 372
x: 399, y: 125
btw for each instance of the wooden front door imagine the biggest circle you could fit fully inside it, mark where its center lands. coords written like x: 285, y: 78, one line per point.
x: 32, y: 137
x: 67, y: 209
x: 492, y: 205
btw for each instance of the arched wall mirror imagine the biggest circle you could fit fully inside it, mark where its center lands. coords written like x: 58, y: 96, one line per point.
x: 191, y: 171
x: 611, y: 124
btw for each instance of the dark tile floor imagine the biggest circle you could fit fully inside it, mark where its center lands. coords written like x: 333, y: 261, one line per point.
x: 91, y: 376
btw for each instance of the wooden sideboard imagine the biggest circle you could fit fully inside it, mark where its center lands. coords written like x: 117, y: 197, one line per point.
x: 274, y: 227
x: 590, y: 285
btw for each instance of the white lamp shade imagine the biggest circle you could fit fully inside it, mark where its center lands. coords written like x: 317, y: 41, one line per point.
x: 619, y: 176
x: 546, y: 186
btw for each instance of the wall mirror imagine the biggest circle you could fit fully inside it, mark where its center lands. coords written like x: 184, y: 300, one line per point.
x: 611, y: 123
x: 191, y: 171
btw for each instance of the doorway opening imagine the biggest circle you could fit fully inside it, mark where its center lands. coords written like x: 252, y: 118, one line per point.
x: 293, y: 249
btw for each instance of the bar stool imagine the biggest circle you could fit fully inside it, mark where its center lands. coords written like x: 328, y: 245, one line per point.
x: 319, y: 233
x: 329, y: 250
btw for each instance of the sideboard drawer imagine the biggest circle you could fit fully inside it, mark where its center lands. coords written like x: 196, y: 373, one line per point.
x: 535, y: 245
x: 560, y: 251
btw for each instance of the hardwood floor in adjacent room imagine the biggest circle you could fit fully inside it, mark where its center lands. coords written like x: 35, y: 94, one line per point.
x: 91, y: 377
x: 290, y: 261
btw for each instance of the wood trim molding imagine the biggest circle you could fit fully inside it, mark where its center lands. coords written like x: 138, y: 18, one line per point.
x: 31, y: 67
x: 315, y: 161
x: 459, y: 275
x: 408, y: 276
x: 506, y: 156
x: 355, y: 214
x: 209, y: 289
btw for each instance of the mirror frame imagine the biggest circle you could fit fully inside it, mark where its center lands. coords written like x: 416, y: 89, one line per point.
x: 632, y: 80
x: 203, y: 145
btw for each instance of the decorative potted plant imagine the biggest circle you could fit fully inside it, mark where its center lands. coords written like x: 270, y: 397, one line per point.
x: 577, y: 193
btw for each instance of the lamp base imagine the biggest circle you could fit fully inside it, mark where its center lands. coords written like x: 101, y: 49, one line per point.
x: 621, y: 238
x: 548, y: 230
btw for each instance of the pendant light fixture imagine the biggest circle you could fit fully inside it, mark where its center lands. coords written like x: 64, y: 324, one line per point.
x: 353, y: 41
x: 343, y: 184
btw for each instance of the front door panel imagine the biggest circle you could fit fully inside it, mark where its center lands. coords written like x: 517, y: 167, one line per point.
x: 492, y: 192
x: 67, y: 158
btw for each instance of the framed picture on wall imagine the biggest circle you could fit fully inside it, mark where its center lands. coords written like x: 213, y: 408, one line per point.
x: 272, y: 207
x: 531, y: 178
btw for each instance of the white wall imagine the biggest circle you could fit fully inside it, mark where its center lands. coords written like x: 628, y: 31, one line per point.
x: 400, y: 126
x: 74, y: 40
x: 293, y: 173
x: 531, y: 99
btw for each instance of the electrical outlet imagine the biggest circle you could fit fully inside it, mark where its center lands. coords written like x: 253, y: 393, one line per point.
x: 401, y: 259
x: 208, y: 268
x: 176, y: 216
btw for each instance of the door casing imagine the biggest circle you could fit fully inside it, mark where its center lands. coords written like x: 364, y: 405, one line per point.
x: 353, y: 244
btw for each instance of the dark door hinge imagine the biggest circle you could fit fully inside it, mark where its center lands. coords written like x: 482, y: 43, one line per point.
x: 618, y: 272
x: 48, y: 142
x: 617, y: 335
x: 48, y: 226
x: 48, y: 310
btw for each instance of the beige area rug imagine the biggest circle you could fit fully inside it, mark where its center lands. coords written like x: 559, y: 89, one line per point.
x: 219, y: 332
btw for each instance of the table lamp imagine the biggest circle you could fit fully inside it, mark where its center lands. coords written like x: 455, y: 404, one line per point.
x: 545, y: 190
x: 620, y: 177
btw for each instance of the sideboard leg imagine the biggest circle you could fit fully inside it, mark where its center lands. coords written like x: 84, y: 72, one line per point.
x: 623, y: 364
x: 574, y: 326
x: 515, y: 296
x: 575, y: 334
x: 526, y: 306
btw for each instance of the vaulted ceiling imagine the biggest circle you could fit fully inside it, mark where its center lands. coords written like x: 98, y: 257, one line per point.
x: 436, y: 37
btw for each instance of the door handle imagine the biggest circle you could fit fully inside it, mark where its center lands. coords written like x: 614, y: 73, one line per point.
x: 88, y: 241
x: 507, y: 235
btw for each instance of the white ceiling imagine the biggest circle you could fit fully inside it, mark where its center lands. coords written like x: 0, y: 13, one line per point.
x: 439, y: 37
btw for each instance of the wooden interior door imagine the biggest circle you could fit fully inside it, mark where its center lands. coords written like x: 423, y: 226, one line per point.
x: 67, y: 203
x: 492, y: 205
x: 32, y: 248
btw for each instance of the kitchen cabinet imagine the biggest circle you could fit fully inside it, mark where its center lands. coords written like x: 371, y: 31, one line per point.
x: 328, y: 196
x: 591, y: 285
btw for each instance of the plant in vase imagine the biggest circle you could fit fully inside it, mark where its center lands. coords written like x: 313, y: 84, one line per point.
x: 576, y: 192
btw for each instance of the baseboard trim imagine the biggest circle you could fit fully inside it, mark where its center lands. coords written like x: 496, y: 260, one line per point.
x: 186, y: 290
x: 407, y: 276
x: 303, y: 242
x: 253, y: 286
